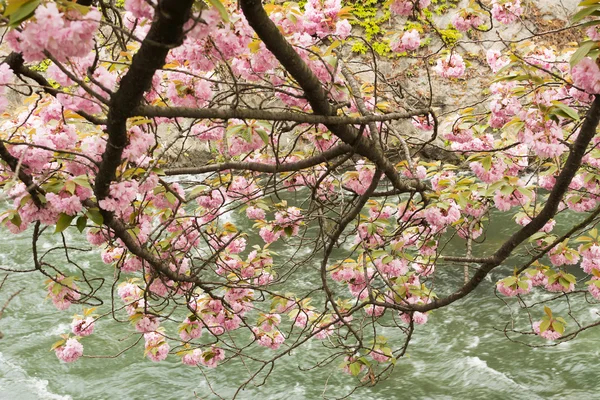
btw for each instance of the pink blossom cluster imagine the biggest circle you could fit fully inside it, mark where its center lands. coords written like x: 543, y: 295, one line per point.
x: 121, y: 195
x: 593, y: 32
x: 424, y: 123
x: 62, y: 291
x: 185, y: 90
x: 70, y: 351
x: 217, y: 318
x: 209, y: 357
x: 190, y: 329
x: 506, y: 11
x: 255, y: 213
x: 463, y: 21
x: 524, y: 219
x: 321, y: 18
x: 63, y: 34
x: 6, y: 77
x: 495, y: 172
x: 140, y: 8
x: 405, y: 7
x: 495, y: 60
x: 505, y: 200
x: 510, y: 286
x: 549, y: 334
x: 272, y: 339
x: 359, y: 181
x: 441, y: 217
x: 377, y: 354
x: 586, y: 75
x: 156, y: 347
x: 81, y: 326
x: 590, y: 258
x: 594, y: 287
x: 452, y: 66
x: 410, y: 40
x: 416, y: 317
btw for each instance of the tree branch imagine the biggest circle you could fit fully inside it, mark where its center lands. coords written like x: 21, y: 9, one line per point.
x: 317, y: 97
x: 578, y: 149
x: 244, y: 113
x: 266, y: 168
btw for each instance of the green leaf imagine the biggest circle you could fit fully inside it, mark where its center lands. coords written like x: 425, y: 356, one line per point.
x: 558, y: 327
x: 487, y: 163
x: 263, y: 135
x: 581, y: 14
x: 588, y: 3
x: 24, y: 12
x: 582, y: 51
x: 64, y: 220
x: 171, y: 198
x: 355, y: 368
x: 220, y: 8
x: 81, y: 223
x: 523, y: 285
x: 571, y: 112
x: 544, y: 325
x: 10, y: 6
x: 57, y: 344
x: 548, y: 311
x: 16, y: 219
x: 525, y: 192
x: 82, y: 180
x: 564, y: 283
x: 570, y: 278
x: 95, y: 216
x: 510, y: 281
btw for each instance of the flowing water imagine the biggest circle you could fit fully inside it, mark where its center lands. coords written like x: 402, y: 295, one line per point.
x: 457, y: 354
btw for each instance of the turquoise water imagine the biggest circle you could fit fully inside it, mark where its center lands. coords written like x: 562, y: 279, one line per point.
x: 457, y: 354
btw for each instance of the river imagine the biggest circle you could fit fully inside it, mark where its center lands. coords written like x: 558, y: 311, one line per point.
x: 457, y: 354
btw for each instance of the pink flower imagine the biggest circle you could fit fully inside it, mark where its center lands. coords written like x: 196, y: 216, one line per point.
x: 70, y: 351
x: 495, y: 60
x: 268, y: 235
x: 510, y: 286
x: 408, y: 41
x: 378, y: 355
x: 464, y: 21
x: 157, y: 349
x: 451, y: 67
x: 148, y: 323
x: 593, y: 32
x: 343, y: 28
x: 140, y: 8
x: 586, y: 75
x: 211, y: 357
x: 190, y: 330
x: 506, y: 11
x: 82, y: 327
x: 549, y: 334
x: 62, y: 291
x: 594, y: 289
x: 419, y: 318
x: 192, y: 358
x: 255, y: 213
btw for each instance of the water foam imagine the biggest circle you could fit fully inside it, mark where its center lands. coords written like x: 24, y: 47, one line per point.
x: 24, y: 383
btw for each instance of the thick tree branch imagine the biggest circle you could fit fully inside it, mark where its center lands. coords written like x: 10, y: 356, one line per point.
x: 15, y: 61
x: 571, y: 166
x: 316, y: 95
x: 242, y: 113
x: 266, y: 168
x: 165, y: 33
